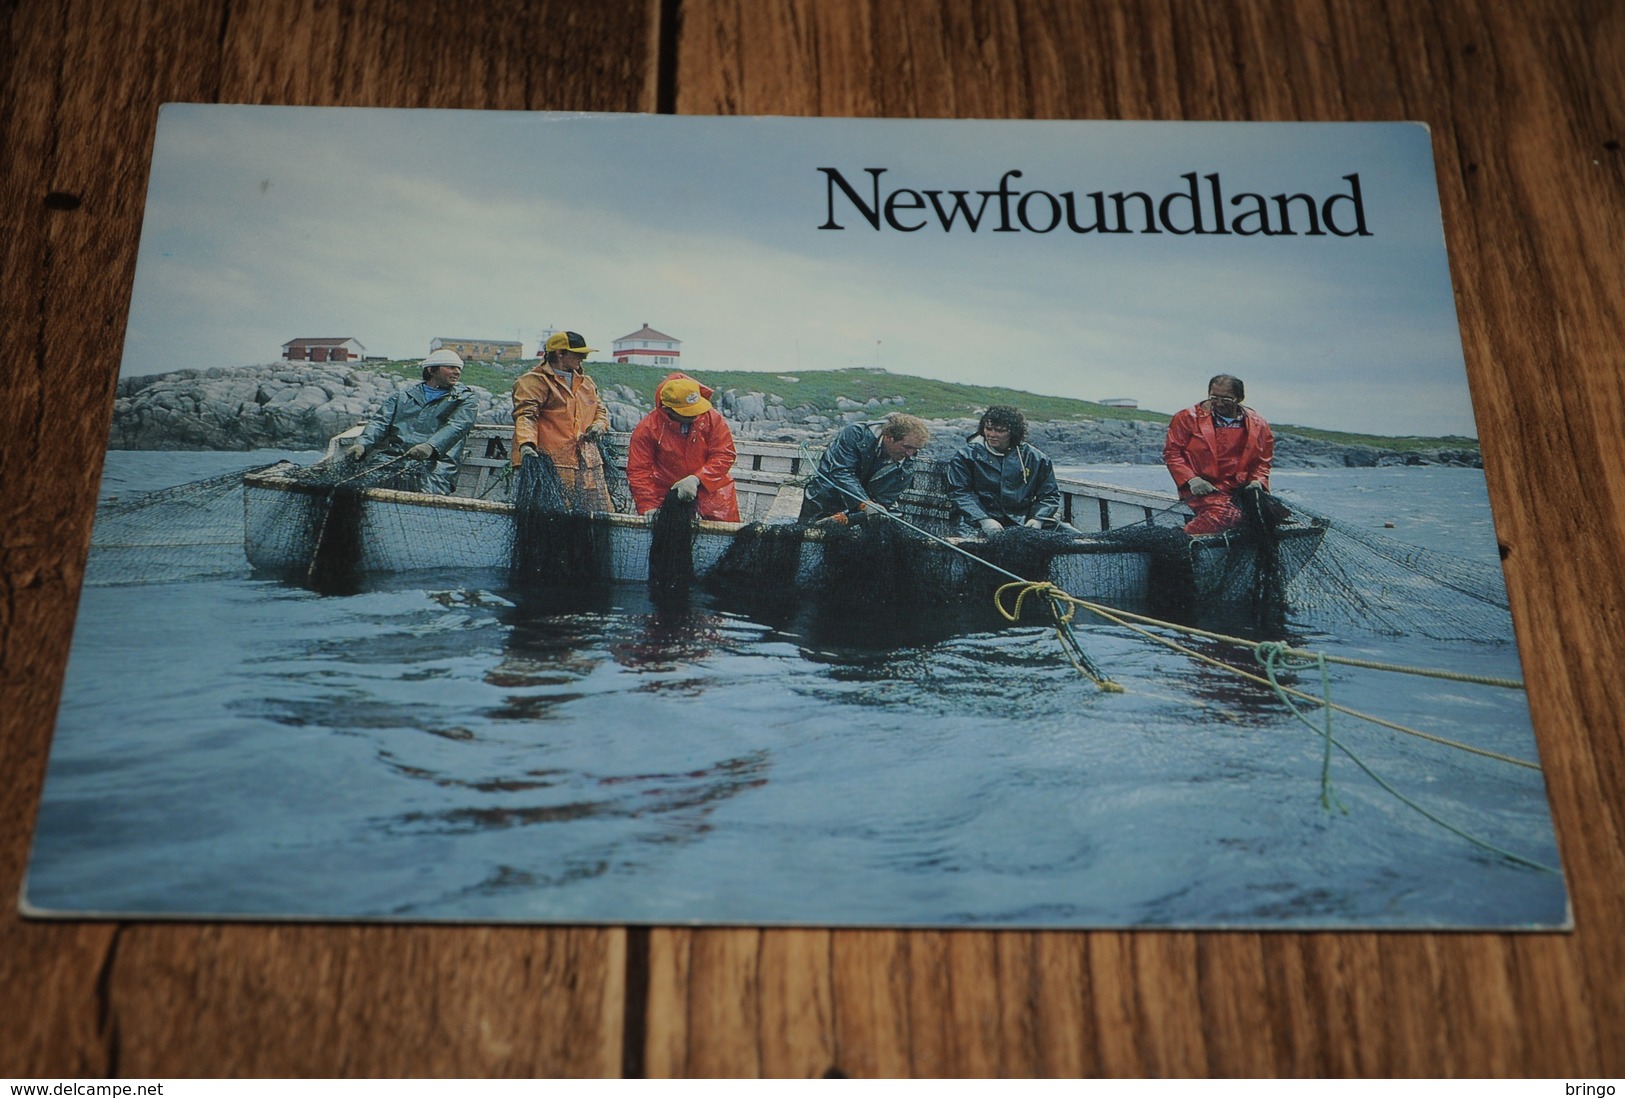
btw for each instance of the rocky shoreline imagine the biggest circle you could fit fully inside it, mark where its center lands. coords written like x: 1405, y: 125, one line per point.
x: 297, y: 407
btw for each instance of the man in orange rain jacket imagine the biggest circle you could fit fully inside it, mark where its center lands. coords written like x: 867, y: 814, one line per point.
x: 1215, y: 448
x: 556, y: 412
x: 684, y: 444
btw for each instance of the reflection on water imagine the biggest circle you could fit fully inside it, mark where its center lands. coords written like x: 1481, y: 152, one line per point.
x: 467, y: 752
x: 445, y: 747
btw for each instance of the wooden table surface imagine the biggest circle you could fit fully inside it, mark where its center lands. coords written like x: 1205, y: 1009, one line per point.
x: 1527, y: 107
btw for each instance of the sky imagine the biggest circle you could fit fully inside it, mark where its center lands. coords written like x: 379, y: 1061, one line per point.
x: 394, y: 227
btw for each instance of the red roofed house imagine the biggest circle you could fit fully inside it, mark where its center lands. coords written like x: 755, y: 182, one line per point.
x: 647, y: 347
x: 323, y: 350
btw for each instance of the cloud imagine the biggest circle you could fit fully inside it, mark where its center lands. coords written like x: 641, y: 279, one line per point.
x: 395, y: 227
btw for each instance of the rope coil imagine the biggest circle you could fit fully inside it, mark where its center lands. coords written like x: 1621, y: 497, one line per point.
x: 1274, y: 656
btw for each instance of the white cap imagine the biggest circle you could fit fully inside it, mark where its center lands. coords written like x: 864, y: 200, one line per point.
x: 443, y: 357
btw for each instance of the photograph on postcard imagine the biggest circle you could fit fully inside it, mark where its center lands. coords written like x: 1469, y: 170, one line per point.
x: 633, y: 519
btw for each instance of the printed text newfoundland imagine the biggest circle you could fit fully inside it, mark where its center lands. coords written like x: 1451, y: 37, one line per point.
x: 1200, y: 208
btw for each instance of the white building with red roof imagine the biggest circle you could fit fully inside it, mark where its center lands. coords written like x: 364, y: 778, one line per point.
x: 647, y: 347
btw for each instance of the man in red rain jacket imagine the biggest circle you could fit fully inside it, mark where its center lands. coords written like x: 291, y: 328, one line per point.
x: 1215, y: 448
x: 684, y: 444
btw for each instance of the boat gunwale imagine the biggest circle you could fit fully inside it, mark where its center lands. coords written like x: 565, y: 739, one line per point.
x: 1084, y: 544
x: 268, y: 478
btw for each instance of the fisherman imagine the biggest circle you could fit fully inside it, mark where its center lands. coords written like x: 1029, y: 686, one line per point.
x: 1216, y: 449
x: 426, y: 422
x: 684, y: 446
x: 996, y: 480
x: 556, y: 413
x: 865, y: 469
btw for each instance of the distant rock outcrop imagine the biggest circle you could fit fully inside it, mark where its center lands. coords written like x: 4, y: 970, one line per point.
x: 301, y: 406
x: 288, y: 406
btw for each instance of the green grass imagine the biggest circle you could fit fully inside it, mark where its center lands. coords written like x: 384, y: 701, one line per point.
x: 1381, y: 442
x: 923, y: 397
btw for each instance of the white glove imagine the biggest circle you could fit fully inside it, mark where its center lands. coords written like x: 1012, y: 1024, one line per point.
x: 421, y: 452
x: 1035, y: 524
x: 528, y: 449
x: 687, y: 488
x: 874, y: 510
x: 1199, y: 487
x: 356, y: 453
x: 991, y: 527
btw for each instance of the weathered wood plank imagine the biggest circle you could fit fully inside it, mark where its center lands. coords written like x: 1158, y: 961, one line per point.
x: 1525, y: 110
x: 81, y: 84
x: 1526, y: 132
x: 365, y: 1001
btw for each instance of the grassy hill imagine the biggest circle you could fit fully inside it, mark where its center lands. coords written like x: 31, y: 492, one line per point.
x: 923, y: 397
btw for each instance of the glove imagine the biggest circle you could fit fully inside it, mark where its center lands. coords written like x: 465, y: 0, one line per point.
x: 528, y: 449
x: 991, y: 527
x: 356, y: 453
x: 1197, y: 486
x: 687, y: 488
x: 1258, y: 484
x: 421, y: 452
x: 1034, y: 524
x: 593, y: 433
x: 875, y: 511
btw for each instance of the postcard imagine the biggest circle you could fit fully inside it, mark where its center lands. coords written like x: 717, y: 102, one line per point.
x: 632, y: 519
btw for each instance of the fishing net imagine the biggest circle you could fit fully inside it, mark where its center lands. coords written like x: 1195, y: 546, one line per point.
x: 554, y: 545
x: 318, y: 526
x: 671, y: 546
x: 613, y: 453
x: 1261, y: 516
x: 875, y: 568
x: 196, y: 530
x: 1145, y: 567
x: 1170, y: 582
x: 315, y: 530
x: 1377, y: 584
x: 757, y: 573
x: 1244, y: 570
x: 381, y: 472
x: 1311, y: 571
x: 926, y: 498
x: 334, y: 526
x: 1018, y: 553
x: 877, y: 577
x: 1280, y: 566
x: 191, y: 531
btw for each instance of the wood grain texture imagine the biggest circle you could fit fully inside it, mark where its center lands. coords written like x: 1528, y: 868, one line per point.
x: 1526, y: 119
x: 82, y: 86
x: 1527, y: 109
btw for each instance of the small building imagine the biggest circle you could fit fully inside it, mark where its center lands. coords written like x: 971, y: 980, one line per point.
x: 480, y: 350
x: 1118, y: 402
x: 647, y: 347
x: 345, y: 349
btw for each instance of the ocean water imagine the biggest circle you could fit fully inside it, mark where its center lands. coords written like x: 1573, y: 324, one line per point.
x: 438, y: 747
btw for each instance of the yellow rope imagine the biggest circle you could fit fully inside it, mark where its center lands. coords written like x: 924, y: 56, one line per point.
x: 1063, y: 613
x: 1122, y: 618
x: 1370, y: 665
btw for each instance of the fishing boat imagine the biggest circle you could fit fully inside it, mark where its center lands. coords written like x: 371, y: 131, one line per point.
x: 403, y: 531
